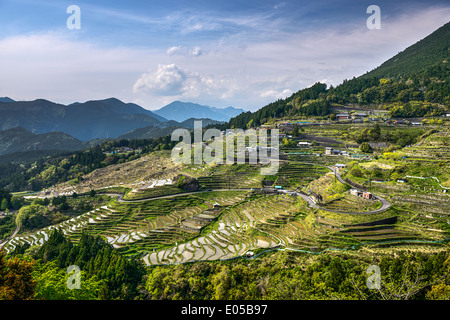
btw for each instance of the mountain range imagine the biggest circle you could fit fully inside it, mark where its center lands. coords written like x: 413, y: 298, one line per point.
x: 97, y: 119
x: 42, y: 125
x: 180, y: 111
x: 420, y: 74
x: 107, y: 118
x: 20, y: 140
x: 6, y: 99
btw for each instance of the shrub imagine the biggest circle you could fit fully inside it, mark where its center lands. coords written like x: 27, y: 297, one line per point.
x: 365, y: 147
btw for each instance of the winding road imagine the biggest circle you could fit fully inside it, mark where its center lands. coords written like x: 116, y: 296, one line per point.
x: 121, y: 199
x: 384, y: 203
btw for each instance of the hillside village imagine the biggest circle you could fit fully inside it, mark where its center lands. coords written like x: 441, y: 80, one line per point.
x: 360, y: 178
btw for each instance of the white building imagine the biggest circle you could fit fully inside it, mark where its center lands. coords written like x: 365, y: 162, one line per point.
x: 304, y: 144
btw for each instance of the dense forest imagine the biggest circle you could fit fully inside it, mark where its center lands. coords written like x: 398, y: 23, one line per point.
x: 421, y: 94
x: 424, y: 55
x: 105, y: 273
x: 47, y: 171
x: 41, y: 273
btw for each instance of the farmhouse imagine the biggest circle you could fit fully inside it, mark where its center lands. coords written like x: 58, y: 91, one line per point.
x: 359, y: 115
x: 339, y: 166
x: 343, y: 116
x: 367, y: 195
x: 356, y: 192
x: 329, y: 150
x: 304, y: 144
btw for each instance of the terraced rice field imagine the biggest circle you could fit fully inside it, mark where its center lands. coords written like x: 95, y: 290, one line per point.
x: 191, y: 228
x: 350, y: 203
x: 153, y: 192
x: 233, y: 235
x: 434, y: 148
x: 222, y: 179
x: 295, y: 174
x: 277, y: 221
x: 132, y: 174
x: 72, y: 228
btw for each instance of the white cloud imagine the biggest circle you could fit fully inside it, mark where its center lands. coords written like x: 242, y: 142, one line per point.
x: 55, y: 67
x: 196, y: 52
x: 168, y: 80
x: 236, y: 70
x: 172, y: 81
x: 174, y: 50
x: 276, y: 94
x: 183, y: 51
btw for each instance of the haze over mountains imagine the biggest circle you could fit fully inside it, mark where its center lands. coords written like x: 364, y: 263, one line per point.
x: 20, y: 140
x: 98, y: 119
x: 180, y: 111
x: 419, y: 73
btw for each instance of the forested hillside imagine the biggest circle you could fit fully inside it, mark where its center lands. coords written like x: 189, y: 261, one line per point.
x: 414, y: 83
x: 46, y: 171
x: 283, y: 276
x: 430, y: 52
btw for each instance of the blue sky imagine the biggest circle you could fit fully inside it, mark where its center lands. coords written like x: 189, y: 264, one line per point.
x: 219, y: 53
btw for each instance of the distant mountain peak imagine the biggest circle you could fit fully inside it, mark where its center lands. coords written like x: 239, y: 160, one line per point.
x: 181, y: 111
x: 85, y: 121
x: 6, y: 99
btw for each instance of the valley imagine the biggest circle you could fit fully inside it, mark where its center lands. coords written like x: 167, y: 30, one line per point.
x: 361, y: 182
x: 146, y: 214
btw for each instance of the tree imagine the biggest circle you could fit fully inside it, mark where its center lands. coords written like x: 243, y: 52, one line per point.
x: 17, y: 202
x: 222, y: 282
x: 4, y: 205
x: 296, y: 131
x: 92, y: 193
x: 440, y: 291
x: 365, y: 147
x: 16, y: 281
x: 51, y: 284
x: 375, y: 133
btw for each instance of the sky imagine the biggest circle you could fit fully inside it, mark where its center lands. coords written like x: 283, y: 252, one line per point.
x: 244, y: 54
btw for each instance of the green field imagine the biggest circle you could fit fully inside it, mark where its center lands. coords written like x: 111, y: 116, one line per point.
x: 184, y: 228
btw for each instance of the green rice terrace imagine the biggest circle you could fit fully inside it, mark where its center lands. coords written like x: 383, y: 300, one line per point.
x: 228, y: 216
